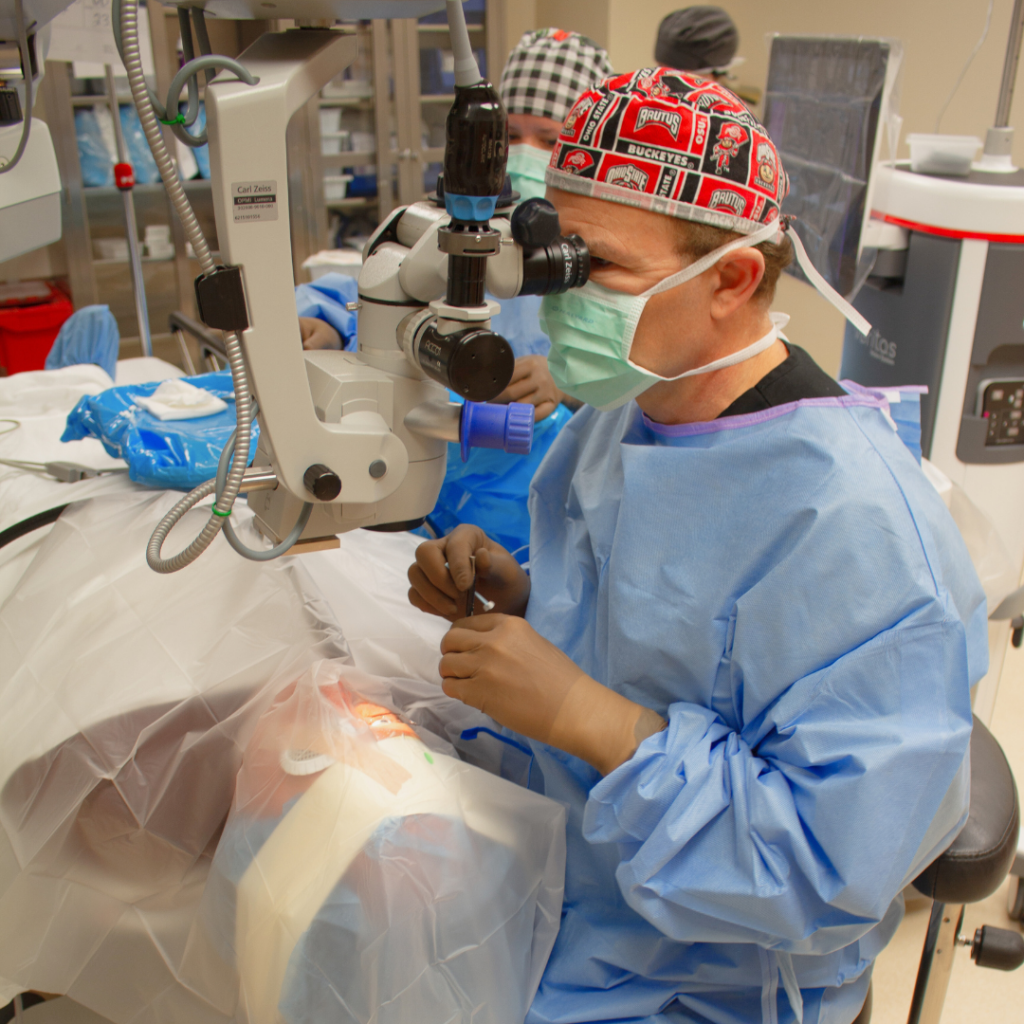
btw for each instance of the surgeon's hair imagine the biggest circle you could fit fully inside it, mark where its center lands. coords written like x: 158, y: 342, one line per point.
x: 697, y: 240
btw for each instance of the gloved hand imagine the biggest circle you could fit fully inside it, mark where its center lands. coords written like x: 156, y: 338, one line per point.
x: 503, y: 666
x: 317, y: 333
x: 441, y: 590
x: 532, y: 382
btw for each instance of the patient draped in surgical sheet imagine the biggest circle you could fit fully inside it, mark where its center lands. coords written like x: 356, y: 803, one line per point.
x: 356, y: 862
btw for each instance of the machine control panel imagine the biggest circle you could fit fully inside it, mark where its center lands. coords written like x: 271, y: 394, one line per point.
x: 1001, y: 405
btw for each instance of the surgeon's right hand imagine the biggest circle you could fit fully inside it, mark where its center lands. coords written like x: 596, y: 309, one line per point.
x: 441, y: 590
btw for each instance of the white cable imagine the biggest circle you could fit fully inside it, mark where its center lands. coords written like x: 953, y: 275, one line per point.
x: 243, y: 392
x: 26, y: 65
x: 467, y: 71
x: 974, y: 53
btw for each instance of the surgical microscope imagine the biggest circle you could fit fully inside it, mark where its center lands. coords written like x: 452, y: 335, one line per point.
x: 349, y: 439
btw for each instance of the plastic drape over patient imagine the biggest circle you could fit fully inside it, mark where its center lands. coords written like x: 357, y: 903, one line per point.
x: 351, y: 843
x: 364, y: 872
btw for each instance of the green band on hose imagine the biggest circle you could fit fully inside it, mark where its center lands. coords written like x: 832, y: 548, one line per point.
x: 223, y: 515
x: 180, y: 119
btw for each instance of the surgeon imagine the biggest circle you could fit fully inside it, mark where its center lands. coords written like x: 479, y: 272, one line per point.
x: 547, y: 70
x: 743, y: 652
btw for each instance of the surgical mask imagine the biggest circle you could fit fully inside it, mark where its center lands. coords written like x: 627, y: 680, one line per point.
x: 592, y: 330
x: 526, y: 167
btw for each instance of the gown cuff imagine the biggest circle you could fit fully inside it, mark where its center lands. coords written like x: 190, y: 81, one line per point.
x: 628, y: 803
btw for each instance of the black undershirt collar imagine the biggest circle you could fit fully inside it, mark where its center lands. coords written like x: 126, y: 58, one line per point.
x: 797, y: 377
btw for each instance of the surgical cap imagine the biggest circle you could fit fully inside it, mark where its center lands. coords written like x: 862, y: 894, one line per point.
x: 696, y: 39
x: 548, y: 69
x: 671, y: 142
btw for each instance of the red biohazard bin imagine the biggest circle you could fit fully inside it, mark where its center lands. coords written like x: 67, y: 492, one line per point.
x: 27, y: 332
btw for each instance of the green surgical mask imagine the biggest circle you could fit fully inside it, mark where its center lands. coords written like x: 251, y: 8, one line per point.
x: 526, y: 167
x: 592, y: 329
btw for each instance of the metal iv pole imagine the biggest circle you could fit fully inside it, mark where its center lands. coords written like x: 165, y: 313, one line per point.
x: 1010, y: 65
x: 124, y: 178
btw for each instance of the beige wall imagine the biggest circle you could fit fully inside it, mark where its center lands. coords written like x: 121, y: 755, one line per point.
x: 589, y: 17
x: 937, y: 36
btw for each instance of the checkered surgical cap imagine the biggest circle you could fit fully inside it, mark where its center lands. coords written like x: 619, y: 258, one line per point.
x: 671, y: 142
x: 547, y: 71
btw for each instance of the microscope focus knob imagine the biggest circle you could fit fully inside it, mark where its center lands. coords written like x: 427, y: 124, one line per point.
x: 535, y: 223
x: 323, y: 483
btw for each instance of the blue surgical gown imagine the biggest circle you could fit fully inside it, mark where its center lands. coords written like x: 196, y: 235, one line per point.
x: 789, y: 592
x: 519, y: 324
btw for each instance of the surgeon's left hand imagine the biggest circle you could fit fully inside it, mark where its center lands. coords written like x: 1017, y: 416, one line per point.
x: 532, y: 382
x: 501, y: 665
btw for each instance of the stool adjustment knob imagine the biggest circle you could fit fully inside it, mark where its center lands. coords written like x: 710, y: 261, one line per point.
x: 998, y: 948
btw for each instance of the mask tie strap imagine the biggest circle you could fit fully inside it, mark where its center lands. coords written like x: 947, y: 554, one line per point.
x: 756, y: 348
x: 698, y: 267
x: 823, y: 288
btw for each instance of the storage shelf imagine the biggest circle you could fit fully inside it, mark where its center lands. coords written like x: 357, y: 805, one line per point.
x: 92, y: 101
x: 446, y: 98
x: 357, y: 102
x: 349, y: 158
x: 109, y: 261
x: 351, y: 203
x: 154, y: 188
x: 117, y: 260
x: 427, y: 30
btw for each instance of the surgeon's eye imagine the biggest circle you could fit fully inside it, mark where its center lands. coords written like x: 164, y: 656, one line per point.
x: 596, y: 262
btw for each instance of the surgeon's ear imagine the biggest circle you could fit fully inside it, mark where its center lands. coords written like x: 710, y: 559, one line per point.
x: 738, y: 275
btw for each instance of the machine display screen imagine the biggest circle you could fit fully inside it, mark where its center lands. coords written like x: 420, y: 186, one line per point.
x: 822, y: 109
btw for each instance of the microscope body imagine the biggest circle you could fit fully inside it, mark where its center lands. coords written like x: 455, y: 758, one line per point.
x: 363, y: 435
x: 403, y: 279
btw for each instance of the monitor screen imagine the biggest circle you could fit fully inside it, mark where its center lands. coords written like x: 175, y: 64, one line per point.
x: 822, y: 110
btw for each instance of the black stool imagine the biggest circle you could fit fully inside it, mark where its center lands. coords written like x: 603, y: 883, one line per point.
x: 971, y: 869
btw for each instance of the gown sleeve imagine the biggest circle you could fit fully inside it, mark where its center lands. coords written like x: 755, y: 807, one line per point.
x: 798, y: 829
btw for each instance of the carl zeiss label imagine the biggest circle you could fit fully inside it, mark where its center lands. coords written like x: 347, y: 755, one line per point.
x: 254, y: 200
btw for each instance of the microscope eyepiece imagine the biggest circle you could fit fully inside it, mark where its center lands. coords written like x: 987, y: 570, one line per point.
x: 550, y: 269
x: 552, y: 262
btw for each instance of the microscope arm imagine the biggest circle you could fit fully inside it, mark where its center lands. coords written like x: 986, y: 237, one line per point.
x: 250, y: 187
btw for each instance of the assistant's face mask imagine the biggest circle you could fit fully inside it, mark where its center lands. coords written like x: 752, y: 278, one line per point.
x: 592, y: 330
x: 526, y: 167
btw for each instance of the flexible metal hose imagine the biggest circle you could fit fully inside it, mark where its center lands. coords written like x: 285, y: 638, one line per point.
x: 239, y: 375
x: 179, y: 128
x: 254, y: 554
x: 26, y: 64
x: 189, y: 74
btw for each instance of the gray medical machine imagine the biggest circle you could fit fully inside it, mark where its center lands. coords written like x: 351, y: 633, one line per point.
x: 936, y: 263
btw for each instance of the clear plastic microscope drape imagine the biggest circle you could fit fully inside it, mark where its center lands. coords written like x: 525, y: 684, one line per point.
x: 208, y: 814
